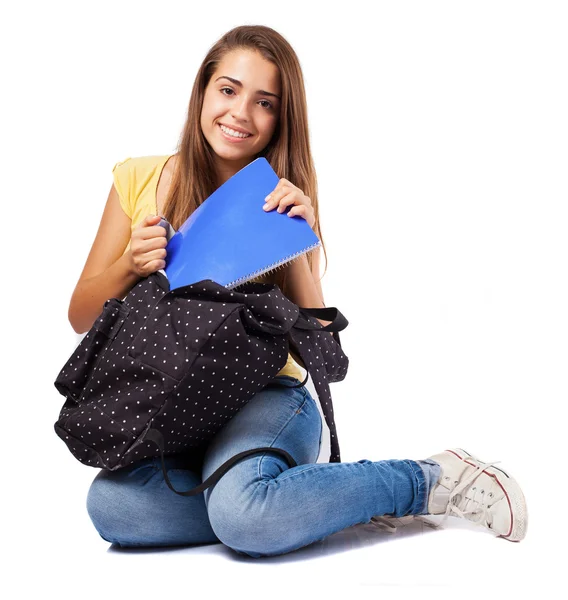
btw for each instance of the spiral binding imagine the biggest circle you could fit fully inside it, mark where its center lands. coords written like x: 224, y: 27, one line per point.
x: 272, y: 267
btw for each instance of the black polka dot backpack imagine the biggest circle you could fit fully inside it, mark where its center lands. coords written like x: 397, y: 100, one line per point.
x: 162, y: 371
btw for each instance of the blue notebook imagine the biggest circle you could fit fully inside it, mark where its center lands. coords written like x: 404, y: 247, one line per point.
x: 231, y: 239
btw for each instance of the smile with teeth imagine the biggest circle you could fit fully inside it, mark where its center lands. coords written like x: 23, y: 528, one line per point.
x: 233, y: 133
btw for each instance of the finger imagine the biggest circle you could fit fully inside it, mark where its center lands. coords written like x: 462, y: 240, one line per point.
x: 276, y: 189
x: 149, y: 220
x: 158, y: 254
x: 289, y: 199
x: 271, y: 199
x: 154, y: 265
x: 285, y: 182
x: 144, y: 247
x: 152, y: 231
x: 276, y: 199
x: 298, y: 210
x: 280, y: 190
x: 157, y: 243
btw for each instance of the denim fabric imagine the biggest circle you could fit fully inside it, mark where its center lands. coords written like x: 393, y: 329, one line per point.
x: 260, y: 507
x: 432, y: 471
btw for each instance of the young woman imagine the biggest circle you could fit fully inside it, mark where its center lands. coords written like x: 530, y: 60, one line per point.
x: 248, y: 101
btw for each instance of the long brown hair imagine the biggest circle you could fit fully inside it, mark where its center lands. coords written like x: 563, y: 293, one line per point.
x: 194, y: 177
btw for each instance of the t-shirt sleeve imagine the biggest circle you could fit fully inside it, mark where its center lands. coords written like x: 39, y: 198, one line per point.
x: 122, y: 177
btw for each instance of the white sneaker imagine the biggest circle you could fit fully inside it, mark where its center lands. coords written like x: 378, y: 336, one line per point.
x: 477, y: 491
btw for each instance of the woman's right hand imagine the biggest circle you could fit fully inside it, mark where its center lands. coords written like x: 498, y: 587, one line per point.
x: 148, y: 247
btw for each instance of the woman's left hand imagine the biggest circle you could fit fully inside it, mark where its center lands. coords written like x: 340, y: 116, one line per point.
x: 287, y: 194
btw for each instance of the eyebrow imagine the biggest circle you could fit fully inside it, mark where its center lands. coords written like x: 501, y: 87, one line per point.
x: 239, y: 84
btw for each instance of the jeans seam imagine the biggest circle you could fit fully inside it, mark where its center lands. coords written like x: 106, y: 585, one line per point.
x: 420, y: 487
x: 270, y: 481
x: 271, y: 445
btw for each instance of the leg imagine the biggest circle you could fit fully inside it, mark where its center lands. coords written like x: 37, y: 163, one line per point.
x: 261, y: 507
x: 133, y: 506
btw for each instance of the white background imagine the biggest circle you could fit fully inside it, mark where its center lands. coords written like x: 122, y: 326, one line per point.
x: 439, y: 132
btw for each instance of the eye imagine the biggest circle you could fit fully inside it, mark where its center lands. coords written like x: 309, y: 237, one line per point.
x: 230, y: 89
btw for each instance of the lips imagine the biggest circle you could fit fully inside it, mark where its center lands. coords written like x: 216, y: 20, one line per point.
x: 234, y: 128
x: 248, y: 134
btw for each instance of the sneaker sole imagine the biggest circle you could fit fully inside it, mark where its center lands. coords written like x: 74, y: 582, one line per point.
x: 513, y: 493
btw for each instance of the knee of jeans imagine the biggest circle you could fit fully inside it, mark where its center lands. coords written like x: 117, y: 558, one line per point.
x: 245, y: 526
x: 106, y: 508
x: 99, y: 503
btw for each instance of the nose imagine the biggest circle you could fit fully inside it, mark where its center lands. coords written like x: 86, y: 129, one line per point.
x: 240, y: 111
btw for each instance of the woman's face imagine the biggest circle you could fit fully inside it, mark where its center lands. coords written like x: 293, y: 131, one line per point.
x: 252, y: 106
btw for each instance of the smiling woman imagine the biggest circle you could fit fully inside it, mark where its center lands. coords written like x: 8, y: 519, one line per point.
x: 239, y: 120
x: 247, y: 94
x: 249, y: 100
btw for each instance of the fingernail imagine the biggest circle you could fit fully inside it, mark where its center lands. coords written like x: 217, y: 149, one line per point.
x: 266, y: 206
x: 267, y: 198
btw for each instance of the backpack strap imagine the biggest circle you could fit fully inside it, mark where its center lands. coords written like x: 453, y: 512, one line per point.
x: 155, y: 436
x: 323, y: 358
x: 338, y: 323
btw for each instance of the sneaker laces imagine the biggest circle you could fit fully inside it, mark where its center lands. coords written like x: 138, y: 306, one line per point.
x: 390, y: 523
x: 457, y: 506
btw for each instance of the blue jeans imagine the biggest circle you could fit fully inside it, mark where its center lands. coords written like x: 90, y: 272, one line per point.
x: 261, y: 506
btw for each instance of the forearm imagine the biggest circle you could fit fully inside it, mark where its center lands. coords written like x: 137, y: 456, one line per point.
x: 303, y: 290
x: 90, y: 295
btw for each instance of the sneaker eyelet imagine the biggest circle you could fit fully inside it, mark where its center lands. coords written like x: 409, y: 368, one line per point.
x: 483, y: 491
x: 473, y: 488
x: 490, y: 494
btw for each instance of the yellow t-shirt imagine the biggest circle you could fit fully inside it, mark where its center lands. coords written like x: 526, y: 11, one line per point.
x: 136, y: 180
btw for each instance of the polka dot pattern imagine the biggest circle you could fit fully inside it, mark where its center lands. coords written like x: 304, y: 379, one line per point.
x: 326, y: 362
x: 184, y: 361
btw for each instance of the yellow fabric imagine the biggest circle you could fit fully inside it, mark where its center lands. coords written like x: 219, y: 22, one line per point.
x: 136, y: 180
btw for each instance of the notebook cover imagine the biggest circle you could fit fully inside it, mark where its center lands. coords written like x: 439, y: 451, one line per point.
x: 231, y: 239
